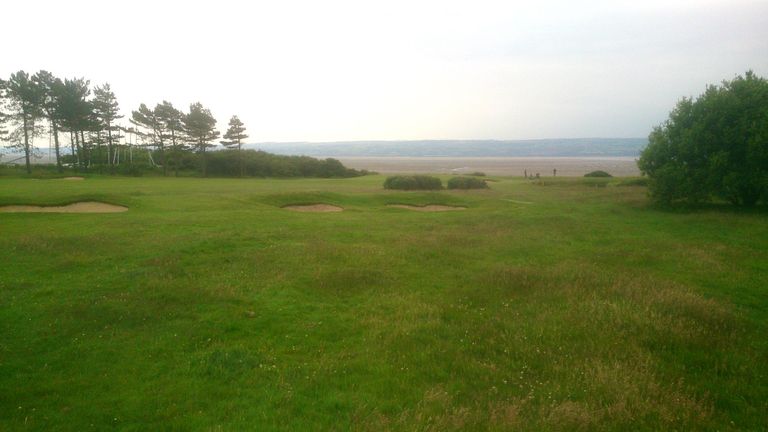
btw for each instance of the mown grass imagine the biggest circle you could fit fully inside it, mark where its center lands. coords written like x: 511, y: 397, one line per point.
x: 554, y: 305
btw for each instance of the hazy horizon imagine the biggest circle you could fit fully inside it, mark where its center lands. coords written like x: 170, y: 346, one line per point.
x: 348, y: 71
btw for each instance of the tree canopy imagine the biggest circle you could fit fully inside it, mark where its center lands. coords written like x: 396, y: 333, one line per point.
x: 715, y: 146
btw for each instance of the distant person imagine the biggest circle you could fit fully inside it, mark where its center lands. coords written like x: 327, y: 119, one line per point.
x: 554, y: 172
x: 525, y: 173
x: 537, y: 176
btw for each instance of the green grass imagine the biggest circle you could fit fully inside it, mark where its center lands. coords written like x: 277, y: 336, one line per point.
x: 567, y: 304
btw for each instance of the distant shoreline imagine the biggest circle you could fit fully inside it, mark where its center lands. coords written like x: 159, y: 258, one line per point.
x: 567, y: 166
x: 624, y: 166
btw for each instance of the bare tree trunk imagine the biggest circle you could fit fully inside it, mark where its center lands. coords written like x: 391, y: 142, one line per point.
x: 175, y: 154
x: 242, y: 162
x: 98, y: 144
x: 72, y: 147
x: 56, y: 145
x: 162, y: 159
x: 26, y: 144
x: 86, y: 151
x: 109, y: 144
x: 203, y: 161
x: 149, y: 156
x: 80, y: 151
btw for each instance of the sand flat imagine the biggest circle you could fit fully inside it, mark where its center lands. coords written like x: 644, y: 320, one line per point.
x: 505, y: 166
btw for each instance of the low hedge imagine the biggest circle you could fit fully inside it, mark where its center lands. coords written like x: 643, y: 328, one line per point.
x: 413, y: 182
x: 466, y: 183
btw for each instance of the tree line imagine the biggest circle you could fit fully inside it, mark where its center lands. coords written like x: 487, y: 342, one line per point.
x: 87, y: 132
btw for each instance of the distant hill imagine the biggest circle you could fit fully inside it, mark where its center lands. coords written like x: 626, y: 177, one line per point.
x: 572, y: 147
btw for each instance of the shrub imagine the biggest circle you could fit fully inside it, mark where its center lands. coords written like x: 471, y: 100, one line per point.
x: 413, y: 182
x: 597, y: 173
x: 476, y: 174
x: 714, y: 146
x: 466, y: 183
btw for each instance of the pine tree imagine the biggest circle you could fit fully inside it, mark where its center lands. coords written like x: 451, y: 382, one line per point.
x: 153, y: 129
x: 233, y: 139
x: 26, y: 100
x: 173, y: 130
x: 52, y: 89
x: 76, y: 116
x: 201, y: 127
x: 107, y: 111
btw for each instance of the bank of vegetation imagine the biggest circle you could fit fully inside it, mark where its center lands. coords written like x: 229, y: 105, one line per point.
x: 88, y: 134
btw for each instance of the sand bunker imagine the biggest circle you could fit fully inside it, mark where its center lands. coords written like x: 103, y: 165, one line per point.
x: 80, y: 207
x: 314, y: 208
x: 428, y: 208
x: 73, y: 178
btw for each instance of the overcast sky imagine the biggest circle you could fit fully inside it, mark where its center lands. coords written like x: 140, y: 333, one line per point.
x: 337, y: 70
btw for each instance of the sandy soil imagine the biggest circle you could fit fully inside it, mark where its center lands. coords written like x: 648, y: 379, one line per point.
x: 507, y: 166
x: 81, y: 207
x: 73, y: 178
x: 428, y: 208
x: 314, y: 208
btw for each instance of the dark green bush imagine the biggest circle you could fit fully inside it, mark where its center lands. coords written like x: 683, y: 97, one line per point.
x: 466, y: 183
x: 476, y: 174
x: 597, y: 173
x: 413, y: 182
x: 715, y: 146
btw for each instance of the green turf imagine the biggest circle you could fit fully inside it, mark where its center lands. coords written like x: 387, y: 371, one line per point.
x: 567, y: 305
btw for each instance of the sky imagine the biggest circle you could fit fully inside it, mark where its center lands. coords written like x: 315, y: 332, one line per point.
x: 396, y: 70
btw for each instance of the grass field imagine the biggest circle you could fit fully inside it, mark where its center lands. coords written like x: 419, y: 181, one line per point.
x: 205, y: 306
